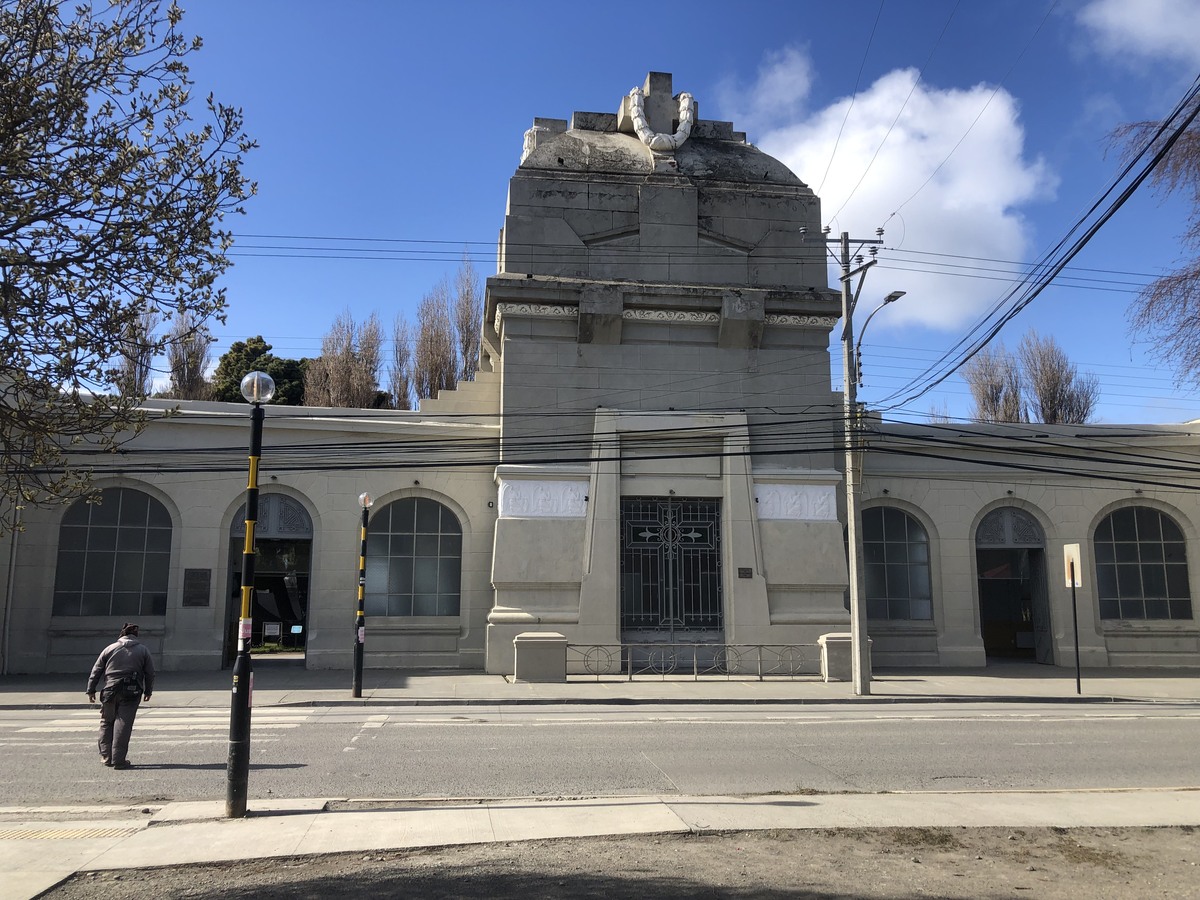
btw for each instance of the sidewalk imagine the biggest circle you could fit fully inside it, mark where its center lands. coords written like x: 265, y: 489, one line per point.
x: 35, y: 856
x: 40, y: 847
x: 285, y: 682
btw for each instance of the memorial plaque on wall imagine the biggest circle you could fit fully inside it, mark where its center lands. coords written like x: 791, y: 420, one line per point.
x: 197, y: 587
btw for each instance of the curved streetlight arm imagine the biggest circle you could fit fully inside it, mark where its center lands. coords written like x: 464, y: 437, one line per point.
x: 890, y: 298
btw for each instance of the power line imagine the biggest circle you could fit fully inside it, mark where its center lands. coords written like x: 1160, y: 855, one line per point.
x: 978, y: 116
x: 1055, y: 261
x: 900, y: 111
x: 853, y: 96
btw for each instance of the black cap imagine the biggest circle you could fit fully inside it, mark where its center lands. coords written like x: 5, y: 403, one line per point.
x: 129, y: 628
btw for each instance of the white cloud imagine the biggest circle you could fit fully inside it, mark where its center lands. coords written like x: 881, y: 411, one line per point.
x: 952, y: 168
x: 780, y: 92
x: 1146, y: 29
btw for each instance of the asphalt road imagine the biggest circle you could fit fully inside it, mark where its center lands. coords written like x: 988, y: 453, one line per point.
x: 492, y: 752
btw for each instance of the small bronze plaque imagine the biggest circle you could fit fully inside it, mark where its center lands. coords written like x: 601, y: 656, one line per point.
x: 197, y: 587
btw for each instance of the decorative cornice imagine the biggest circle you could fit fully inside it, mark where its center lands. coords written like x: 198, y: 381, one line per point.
x: 539, y: 310
x: 671, y: 315
x: 801, y: 321
x: 548, y: 311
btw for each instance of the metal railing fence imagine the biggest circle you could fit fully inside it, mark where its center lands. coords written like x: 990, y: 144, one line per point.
x: 663, y: 660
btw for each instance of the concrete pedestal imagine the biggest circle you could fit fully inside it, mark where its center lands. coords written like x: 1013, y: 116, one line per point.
x: 837, y: 656
x: 540, y: 656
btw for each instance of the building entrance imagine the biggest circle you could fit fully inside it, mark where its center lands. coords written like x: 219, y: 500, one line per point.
x: 671, y: 576
x: 1014, y: 614
x: 282, y: 568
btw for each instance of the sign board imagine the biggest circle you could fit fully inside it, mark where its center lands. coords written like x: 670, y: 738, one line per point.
x: 1072, y: 565
x: 272, y: 629
x: 197, y: 586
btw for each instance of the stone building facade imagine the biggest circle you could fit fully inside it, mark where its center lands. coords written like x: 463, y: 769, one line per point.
x: 649, y: 456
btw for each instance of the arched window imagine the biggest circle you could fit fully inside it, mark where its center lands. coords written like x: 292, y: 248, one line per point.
x: 114, y: 557
x: 414, y: 560
x: 896, y: 561
x: 1141, y: 566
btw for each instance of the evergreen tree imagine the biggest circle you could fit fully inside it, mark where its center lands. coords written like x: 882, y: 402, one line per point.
x: 254, y: 354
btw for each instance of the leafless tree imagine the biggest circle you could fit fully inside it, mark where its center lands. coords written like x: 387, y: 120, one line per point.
x: 939, y: 415
x: 435, y: 356
x: 346, y: 374
x: 1055, y: 392
x: 443, y: 347
x: 1168, y: 309
x: 994, y: 378
x: 468, y: 317
x: 400, y: 373
x: 1039, y: 383
x: 188, y: 359
x: 136, y: 355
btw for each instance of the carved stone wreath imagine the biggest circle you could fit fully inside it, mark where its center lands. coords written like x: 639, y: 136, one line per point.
x: 656, y: 140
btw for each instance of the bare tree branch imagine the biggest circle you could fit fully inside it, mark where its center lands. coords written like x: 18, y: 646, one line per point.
x: 1167, y: 311
x: 468, y: 317
x: 1055, y: 392
x: 112, y: 198
x: 135, y: 357
x: 346, y: 374
x: 995, y: 383
x: 188, y: 358
x: 435, y: 362
x: 400, y: 374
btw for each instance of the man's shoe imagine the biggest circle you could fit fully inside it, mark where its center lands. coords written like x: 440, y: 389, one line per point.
x: 106, y: 760
x: 123, y: 764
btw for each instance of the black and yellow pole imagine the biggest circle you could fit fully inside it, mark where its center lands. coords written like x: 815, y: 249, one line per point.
x: 360, y: 621
x: 257, y: 388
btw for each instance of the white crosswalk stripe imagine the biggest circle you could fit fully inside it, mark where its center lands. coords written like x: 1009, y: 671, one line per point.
x: 150, y: 721
x: 159, y: 727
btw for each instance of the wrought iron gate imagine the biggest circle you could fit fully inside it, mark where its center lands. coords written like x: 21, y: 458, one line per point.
x: 671, y: 571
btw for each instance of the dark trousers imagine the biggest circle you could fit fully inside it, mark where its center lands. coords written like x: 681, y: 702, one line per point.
x: 116, y: 725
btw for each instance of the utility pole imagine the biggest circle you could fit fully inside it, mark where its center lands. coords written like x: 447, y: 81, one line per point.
x: 860, y: 660
x: 860, y: 646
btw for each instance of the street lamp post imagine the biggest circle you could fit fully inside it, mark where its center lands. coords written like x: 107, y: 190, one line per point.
x: 365, y: 500
x: 890, y: 298
x: 258, y: 388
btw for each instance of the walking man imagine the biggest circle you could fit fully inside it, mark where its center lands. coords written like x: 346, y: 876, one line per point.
x: 124, y: 676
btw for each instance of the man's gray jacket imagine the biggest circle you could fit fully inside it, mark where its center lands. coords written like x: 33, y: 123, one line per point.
x: 127, y: 656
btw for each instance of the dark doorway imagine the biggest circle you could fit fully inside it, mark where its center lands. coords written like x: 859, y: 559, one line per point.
x: 1014, y: 614
x: 282, y: 569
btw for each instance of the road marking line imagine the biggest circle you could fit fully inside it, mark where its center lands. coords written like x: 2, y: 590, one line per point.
x: 150, y: 726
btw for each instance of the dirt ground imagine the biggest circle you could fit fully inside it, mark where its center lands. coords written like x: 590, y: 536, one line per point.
x: 1043, y: 863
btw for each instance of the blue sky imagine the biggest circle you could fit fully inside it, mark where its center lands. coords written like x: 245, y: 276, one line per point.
x: 389, y: 131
